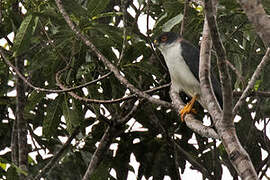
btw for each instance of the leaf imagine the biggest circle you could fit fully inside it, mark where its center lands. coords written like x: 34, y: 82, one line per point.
x: 52, y: 118
x: 33, y: 99
x: 107, y: 14
x: 160, y: 19
x: 72, y: 116
x: 74, y: 7
x: 3, y: 165
x: 96, y: 6
x: 101, y: 172
x: 23, y: 37
x: 172, y: 22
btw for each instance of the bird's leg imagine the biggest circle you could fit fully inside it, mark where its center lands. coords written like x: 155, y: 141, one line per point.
x: 188, y: 108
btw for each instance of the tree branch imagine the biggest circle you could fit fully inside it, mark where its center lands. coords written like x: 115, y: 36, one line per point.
x: 225, y: 127
x: 43, y: 173
x: 265, y: 94
x: 105, y: 61
x: 21, y: 76
x: 105, y: 143
x: 204, y: 73
x: 182, y: 27
x: 21, y: 122
x: 190, y: 121
x: 124, y: 43
x: 252, y: 81
x: 258, y: 17
x: 98, y: 155
x: 222, y: 65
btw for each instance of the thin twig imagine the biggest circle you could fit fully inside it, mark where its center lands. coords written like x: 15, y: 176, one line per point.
x: 43, y: 173
x: 265, y: 94
x: 124, y: 43
x: 252, y: 81
x: 182, y: 28
x: 238, y: 74
x: 49, y: 90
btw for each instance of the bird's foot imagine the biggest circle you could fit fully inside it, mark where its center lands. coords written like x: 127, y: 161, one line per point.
x: 188, y: 108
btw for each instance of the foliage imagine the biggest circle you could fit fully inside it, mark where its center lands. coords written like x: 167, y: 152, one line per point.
x: 47, y: 45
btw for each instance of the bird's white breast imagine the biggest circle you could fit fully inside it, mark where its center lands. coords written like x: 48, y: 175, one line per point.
x: 182, y: 78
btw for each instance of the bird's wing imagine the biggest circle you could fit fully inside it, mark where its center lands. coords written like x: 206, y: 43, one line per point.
x: 191, y: 56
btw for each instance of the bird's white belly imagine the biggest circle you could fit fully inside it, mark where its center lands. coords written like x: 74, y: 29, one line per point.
x: 181, y: 77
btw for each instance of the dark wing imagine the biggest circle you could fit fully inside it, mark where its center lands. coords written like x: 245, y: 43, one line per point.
x: 191, y: 56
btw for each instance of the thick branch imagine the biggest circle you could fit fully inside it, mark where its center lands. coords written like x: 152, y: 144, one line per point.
x: 222, y: 65
x: 14, y: 144
x: 21, y: 122
x: 257, y: 15
x: 204, y: 73
x: 226, y: 130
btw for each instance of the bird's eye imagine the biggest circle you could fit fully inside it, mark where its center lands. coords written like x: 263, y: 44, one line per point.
x: 164, y: 38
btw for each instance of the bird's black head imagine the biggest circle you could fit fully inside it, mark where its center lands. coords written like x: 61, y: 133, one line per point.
x: 166, y: 38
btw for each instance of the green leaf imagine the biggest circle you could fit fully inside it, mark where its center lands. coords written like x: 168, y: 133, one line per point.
x: 3, y: 165
x: 107, y: 14
x: 172, y: 22
x: 72, y: 116
x: 33, y: 99
x: 96, y: 6
x: 53, y: 117
x: 160, y: 19
x: 23, y: 37
x: 74, y: 7
x: 101, y: 172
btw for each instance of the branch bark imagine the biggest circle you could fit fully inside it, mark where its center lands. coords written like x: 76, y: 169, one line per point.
x: 190, y: 121
x: 258, y: 17
x: 20, y: 121
x: 224, y: 124
x: 204, y: 73
x: 56, y: 157
x: 105, y: 61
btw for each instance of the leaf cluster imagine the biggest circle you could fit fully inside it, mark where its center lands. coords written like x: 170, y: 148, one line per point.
x: 48, y: 46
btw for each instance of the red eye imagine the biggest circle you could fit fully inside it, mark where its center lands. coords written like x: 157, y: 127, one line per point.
x: 164, y: 38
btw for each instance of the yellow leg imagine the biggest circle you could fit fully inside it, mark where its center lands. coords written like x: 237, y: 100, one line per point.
x: 188, y: 108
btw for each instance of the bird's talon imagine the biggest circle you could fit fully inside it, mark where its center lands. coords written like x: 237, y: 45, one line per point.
x: 193, y: 111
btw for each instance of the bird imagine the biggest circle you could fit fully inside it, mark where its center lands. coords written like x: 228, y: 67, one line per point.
x: 182, y: 60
